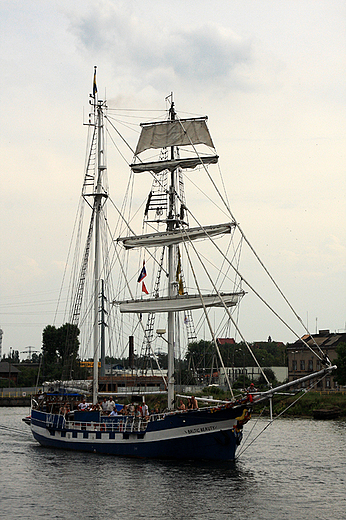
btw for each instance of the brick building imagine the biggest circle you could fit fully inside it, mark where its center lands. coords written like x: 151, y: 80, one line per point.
x: 301, y: 361
x: 8, y: 371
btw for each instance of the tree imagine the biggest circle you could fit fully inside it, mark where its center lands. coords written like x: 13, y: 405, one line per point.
x: 341, y: 364
x: 60, y: 350
x: 35, y: 358
x: 201, y: 352
x: 270, y: 376
x: 27, y: 376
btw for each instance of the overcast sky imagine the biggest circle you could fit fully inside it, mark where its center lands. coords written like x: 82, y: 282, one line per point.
x: 269, y: 74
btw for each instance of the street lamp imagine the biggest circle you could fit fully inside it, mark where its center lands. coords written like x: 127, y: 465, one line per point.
x: 295, y: 363
x: 9, y: 372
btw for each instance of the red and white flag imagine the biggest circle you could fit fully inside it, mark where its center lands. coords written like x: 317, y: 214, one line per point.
x: 141, y: 277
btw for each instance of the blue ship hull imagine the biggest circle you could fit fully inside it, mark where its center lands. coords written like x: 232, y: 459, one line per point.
x: 211, y: 434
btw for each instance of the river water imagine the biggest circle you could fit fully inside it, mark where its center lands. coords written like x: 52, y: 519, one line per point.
x: 295, y: 470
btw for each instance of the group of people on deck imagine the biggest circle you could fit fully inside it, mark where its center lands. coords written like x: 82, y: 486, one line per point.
x: 110, y: 408
x: 192, y: 404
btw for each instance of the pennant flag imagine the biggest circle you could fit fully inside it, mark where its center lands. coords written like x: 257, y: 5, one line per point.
x: 94, y: 84
x: 144, y: 289
x: 143, y: 273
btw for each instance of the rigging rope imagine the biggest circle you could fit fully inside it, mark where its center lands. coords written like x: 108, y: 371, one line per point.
x: 208, y: 321
x: 226, y: 204
x: 228, y: 312
x: 305, y: 391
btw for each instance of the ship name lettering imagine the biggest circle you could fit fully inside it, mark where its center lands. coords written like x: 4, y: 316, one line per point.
x: 200, y: 429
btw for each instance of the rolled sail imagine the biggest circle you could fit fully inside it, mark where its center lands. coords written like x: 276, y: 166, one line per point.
x: 178, y: 132
x: 180, y: 303
x: 167, y: 238
x: 160, y: 166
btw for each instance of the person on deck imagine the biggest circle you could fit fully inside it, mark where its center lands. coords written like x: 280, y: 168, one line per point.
x: 83, y: 406
x: 194, y: 403
x: 104, y: 405
x: 181, y: 405
x: 110, y: 404
x: 145, y: 411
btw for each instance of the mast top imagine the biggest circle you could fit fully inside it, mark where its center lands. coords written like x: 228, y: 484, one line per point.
x: 94, y: 83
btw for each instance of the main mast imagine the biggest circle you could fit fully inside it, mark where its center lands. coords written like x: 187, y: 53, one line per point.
x: 171, y: 279
x: 171, y: 135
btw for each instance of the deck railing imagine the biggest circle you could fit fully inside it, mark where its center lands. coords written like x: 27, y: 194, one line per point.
x: 127, y: 424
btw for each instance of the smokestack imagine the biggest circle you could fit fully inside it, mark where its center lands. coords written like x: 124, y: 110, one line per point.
x: 131, y: 352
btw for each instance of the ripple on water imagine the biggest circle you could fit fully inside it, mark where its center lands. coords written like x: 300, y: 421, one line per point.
x: 295, y: 470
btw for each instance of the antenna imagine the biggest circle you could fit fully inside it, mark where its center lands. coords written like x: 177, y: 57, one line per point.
x: 29, y: 351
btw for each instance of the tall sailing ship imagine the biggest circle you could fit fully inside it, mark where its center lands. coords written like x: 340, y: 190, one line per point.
x: 181, y: 292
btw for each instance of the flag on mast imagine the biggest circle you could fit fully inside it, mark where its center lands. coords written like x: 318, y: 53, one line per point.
x: 94, y: 83
x: 141, y: 277
x: 143, y: 273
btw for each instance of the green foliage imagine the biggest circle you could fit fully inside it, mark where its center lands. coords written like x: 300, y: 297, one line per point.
x: 305, y: 406
x: 110, y: 360
x: 201, y: 352
x: 267, y: 353
x: 341, y: 364
x: 163, y: 360
x: 242, y: 382
x: 216, y: 392
x: 270, y: 353
x: 13, y: 358
x: 5, y: 383
x: 27, y: 376
x: 60, y: 351
x: 35, y: 358
x: 270, y: 376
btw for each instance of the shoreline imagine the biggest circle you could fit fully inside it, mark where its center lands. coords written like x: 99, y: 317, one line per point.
x: 15, y: 401
x: 306, y: 406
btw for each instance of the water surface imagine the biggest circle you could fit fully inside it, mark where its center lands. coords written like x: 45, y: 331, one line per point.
x: 295, y: 470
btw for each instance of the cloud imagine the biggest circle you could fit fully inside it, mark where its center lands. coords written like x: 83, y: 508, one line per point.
x: 151, y: 55
x: 24, y: 270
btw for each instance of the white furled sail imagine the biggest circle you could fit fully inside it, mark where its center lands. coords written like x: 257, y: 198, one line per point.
x: 173, y: 164
x: 180, y: 303
x: 177, y: 132
x: 167, y: 238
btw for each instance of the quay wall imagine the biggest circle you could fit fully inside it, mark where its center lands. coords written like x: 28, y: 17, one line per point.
x: 15, y: 401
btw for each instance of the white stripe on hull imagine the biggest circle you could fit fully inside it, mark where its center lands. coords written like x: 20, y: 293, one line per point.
x: 148, y: 436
